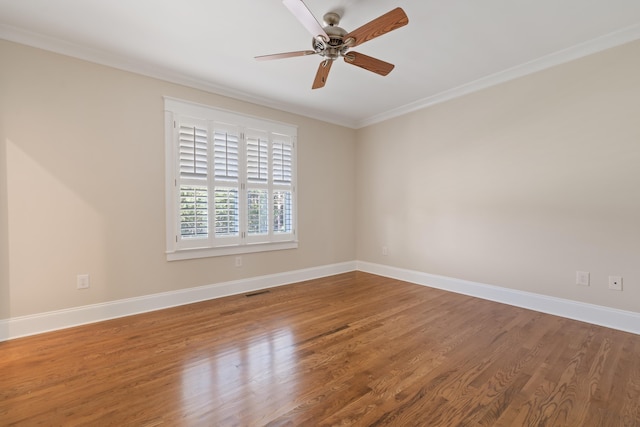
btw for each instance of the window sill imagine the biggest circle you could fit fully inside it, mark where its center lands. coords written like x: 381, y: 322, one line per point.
x: 195, y: 253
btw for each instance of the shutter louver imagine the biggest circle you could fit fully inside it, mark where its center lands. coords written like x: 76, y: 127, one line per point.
x: 282, y: 212
x: 282, y: 162
x: 193, y: 152
x: 225, y: 149
x: 258, y: 212
x: 257, y: 158
x: 194, y: 207
x: 227, y: 214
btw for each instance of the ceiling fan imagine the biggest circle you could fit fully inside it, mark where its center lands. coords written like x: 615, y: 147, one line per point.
x: 332, y: 42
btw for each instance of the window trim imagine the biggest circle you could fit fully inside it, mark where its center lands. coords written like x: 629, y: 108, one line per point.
x: 173, y: 110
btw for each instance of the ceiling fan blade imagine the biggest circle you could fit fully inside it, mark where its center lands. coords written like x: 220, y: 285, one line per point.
x: 379, y: 26
x: 285, y: 55
x: 322, y: 74
x: 368, y: 63
x: 306, y: 18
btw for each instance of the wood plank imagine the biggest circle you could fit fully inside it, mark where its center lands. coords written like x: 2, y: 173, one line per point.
x: 352, y: 349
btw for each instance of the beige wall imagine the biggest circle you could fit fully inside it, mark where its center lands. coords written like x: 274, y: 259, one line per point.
x: 518, y: 185
x: 4, y: 222
x: 82, y: 187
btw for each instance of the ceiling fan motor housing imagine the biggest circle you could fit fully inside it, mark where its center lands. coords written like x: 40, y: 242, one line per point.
x: 335, y: 46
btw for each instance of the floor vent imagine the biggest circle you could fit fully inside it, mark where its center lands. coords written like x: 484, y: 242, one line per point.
x: 253, y: 294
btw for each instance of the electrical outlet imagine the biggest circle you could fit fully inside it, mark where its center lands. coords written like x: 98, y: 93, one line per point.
x: 385, y: 251
x: 615, y: 283
x: 582, y: 278
x: 238, y: 261
x: 82, y: 281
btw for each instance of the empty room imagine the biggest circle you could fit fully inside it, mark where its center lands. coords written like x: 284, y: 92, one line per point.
x: 307, y: 213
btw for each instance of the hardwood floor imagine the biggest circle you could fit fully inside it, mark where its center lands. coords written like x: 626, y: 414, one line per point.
x: 353, y: 349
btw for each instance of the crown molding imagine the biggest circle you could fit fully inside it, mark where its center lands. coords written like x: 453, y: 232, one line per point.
x: 581, y: 50
x: 55, y: 45
x: 100, y: 57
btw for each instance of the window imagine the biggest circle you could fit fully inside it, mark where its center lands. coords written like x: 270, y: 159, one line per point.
x: 230, y: 182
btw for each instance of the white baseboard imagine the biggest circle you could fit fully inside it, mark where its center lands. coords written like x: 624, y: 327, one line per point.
x: 45, y: 322
x: 54, y: 320
x: 627, y: 321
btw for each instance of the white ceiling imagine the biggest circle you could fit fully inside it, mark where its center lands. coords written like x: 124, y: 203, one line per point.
x: 449, y: 47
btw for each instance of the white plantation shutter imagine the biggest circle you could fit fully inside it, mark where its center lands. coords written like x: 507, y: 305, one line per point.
x: 194, y: 212
x: 227, y: 212
x: 226, y: 145
x: 282, y: 212
x: 193, y: 152
x: 230, y: 182
x: 226, y: 149
x: 257, y: 158
x: 193, y: 189
x: 258, y: 212
x: 283, y: 197
x: 257, y: 176
x: 282, y: 161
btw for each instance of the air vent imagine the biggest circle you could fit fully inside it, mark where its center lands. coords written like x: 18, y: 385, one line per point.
x: 253, y: 294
